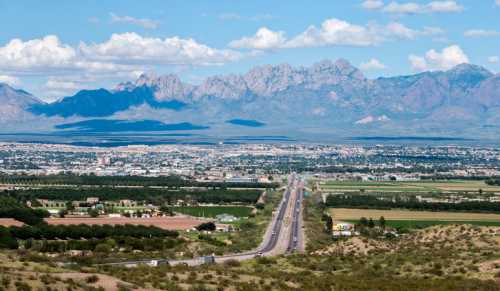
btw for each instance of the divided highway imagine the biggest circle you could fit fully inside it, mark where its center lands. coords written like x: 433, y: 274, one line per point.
x: 283, y: 235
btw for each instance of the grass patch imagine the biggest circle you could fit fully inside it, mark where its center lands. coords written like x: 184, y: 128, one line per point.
x: 213, y: 211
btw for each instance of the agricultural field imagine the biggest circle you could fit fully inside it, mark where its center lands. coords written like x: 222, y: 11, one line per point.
x: 213, y: 211
x: 448, y: 186
x: 410, y: 219
x: 170, y: 223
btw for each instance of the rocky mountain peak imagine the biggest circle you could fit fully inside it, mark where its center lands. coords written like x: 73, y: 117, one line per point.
x: 467, y: 75
x: 226, y: 87
x: 165, y: 87
x: 469, y: 69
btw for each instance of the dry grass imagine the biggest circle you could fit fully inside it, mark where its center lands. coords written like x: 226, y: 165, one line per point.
x: 355, y: 214
x: 10, y: 222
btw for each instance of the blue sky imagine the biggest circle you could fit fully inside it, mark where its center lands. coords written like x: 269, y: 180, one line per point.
x: 55, y: 48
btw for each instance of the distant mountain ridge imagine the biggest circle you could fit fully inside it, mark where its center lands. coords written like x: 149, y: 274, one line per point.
x: 327, y: 96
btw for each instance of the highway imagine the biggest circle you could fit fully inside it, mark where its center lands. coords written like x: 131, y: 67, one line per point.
x: 283, y: 235
x: 296, y: 236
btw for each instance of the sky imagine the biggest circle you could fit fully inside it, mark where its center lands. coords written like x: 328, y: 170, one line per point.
x: 55, y: 48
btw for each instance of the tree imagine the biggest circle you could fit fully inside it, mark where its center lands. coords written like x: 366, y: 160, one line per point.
x: 62, y: 213
x: 381, y: 222
x: 363, y: 221
x: 70, y: 206
x: 208, y: 226
x: 371, y: 223
x: 93, y: 212
x: 103, y: 248
x: 7, y: 241
x: 167, y: 210
x: 329, y: 224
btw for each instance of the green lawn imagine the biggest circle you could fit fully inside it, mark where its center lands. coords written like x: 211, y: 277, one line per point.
x: 212, y: 211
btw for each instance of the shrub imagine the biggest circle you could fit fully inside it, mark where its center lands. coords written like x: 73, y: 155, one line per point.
x: 92, y: 279
x: 232, y: 263
x: 207, y: 226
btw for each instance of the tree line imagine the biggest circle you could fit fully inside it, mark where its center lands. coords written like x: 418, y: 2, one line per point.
x: 367, y: 201
x: 46, y: 239
x: 155, y: 196
x: 493, y: 181
x: 173, y: 181
x: 84, y: 231
x: 11, y: 208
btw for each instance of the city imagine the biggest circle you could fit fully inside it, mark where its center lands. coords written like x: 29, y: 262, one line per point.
x: 236, y: 145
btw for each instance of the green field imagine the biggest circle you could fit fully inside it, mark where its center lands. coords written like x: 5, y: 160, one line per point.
x: 212, y: 211
x: 442, y: 186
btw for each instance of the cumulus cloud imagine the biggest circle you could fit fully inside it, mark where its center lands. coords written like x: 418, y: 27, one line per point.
x: 36, y: 54
x: 333, y: 32
x: 84, y: 65
x: 434, y: 60
x: 143, y: 22
x: 10, y: 80
x: 336, y: 32
x: 395, y: 7
x: 264, y: 38
x: 372, y: 64
x: 494, y: 59
x: 132, y: 48
x: 121, y: 53
x: 481, y: 33
x: 373, y: 4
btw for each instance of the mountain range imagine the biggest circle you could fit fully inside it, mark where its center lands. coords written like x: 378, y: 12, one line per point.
x: 326, y: 99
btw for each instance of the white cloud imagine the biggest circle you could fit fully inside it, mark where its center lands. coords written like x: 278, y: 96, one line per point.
x: 143, y: 22
x: 9, y: 80
x: 417, y: 8
x: 405, y: 8
x: 36, y: 55
x: 372, y: 64
x: 444, y: 60
x: 336, y: 32
x: 132, y: 48
x: 373, y: 4
x: 444, y: 6
x: 494, y: 59
x: 264, y: 38
x: 333, y: 32
x: 122, y: 52
x: 119, y: 57
x: 481, y: 33
x: 497, y: 2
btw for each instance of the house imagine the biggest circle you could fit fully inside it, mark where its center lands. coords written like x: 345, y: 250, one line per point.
x: 127, y: 203
x: 224, y: 217
x: 92, y: 200
x: 343, y: 227
x: 225, y: 228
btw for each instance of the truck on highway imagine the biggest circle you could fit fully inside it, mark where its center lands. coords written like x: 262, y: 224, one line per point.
x: 207, y: 260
